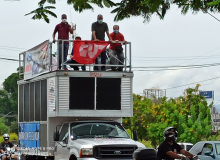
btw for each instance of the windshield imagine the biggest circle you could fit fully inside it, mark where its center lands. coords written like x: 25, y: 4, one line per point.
x: 218, y: 148
x: 98, y: 130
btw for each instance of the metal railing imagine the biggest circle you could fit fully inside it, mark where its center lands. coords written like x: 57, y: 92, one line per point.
x: 126, y: 63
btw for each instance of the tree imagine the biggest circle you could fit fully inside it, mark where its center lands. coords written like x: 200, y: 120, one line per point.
x: 3, y: 128
x: 11, y: 87
x: 5, y: 102
x: 14, y: 126
x: 9, y: 103
x: 127, y: 8
x: 190, y: 114
x: 41, y: 13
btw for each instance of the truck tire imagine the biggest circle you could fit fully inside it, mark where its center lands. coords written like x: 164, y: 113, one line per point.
x: 72, y: 157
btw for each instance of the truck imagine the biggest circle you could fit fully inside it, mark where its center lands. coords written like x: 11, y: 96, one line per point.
x: 69, y: 115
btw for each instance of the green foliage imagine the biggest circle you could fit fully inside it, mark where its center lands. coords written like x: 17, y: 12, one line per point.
x: 9, y: 96
x: 42, y: 13
x: 14, y: 127
x: 214, y: 3
x: 189, y: 114
x: 9, y: 104
x: 3, y: 128
x: 146, y: 143
x: 6, y: 102
x: 127, y: 8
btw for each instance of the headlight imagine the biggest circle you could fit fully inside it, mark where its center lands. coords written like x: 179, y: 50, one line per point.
x: 86, y: 152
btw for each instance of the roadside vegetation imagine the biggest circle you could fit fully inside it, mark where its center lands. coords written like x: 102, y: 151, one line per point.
x: 190, y: 114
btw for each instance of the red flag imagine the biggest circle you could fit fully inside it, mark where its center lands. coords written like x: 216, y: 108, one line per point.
x: 85, y: 52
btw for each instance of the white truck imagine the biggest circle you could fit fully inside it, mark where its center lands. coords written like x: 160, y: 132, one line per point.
x: 67, y: 115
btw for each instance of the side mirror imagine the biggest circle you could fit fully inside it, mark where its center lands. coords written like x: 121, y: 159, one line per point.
x: 207, y: 153
x: 64, y: 145
x: 135, y: 135
x: 56, y: 135
x: 12, y: 149
x: 73, y: 137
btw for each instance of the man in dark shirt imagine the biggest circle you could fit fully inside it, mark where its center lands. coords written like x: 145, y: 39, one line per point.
x: 6, y: 144
x: 168, y: 149
x: 99, y: 28
x: 63, y: 30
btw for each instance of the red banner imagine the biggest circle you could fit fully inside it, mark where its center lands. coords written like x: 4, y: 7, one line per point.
x: 85, y: 52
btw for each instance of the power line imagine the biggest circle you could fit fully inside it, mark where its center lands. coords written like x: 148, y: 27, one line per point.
x: 201, y: 65
x: 151, y: 60
x: 216, y: 103
x: 190, y: 84
x: 175, y: 68
x: 9, y: 59
x: 13, y: 47
x: 211, y: 15
x: 173, y: 57
x: 193, y: 83
x: 10, y: 49
x: 181, y: 63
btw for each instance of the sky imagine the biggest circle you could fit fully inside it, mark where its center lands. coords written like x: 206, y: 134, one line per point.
x: 191, y: 39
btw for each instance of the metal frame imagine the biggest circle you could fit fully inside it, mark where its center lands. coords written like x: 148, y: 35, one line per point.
x: 64, y: 63
x: 127, y: 54
x: 95, y: 93
x: 21, y: 60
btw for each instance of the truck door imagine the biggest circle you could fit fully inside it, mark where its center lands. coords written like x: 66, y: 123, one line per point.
x: 207, y: 147
x: 61, y: 146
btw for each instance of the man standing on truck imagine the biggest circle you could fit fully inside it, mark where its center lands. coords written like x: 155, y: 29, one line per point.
x: 63, y: 30
x: 6, y: 144
x: 99, y: 28
x: 115, y: 49
x: 168, y: 149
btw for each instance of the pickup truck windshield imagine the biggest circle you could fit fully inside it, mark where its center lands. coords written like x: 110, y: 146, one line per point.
x: 98, y: 130
x: 217, y: 148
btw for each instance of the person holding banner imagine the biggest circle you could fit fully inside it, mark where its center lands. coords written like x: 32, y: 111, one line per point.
x: 115, y: 49
x: 72, y: 61
x: 99, y: 28
x: 63, y: 30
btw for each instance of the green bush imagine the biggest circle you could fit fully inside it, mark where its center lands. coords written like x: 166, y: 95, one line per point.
x: 147, y: 144
x: 13, y: 138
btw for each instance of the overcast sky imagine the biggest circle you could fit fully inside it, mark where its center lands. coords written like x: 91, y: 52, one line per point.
x: 176, y: 40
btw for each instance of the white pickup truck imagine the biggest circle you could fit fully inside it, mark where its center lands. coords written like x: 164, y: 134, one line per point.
x: 90, y: 140
x: 186, y: 146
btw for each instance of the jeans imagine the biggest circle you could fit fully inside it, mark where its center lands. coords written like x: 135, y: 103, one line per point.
x: 76, y: 68
x: 65, y: 53
x: 116, y: 58
x: 74, y: 62
x: 103, y: 61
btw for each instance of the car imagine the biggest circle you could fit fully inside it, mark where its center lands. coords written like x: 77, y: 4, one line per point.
x: 186, y: 146
x: 206, y: 150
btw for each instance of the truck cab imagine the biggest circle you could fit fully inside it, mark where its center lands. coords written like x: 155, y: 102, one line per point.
x: 95, y: 139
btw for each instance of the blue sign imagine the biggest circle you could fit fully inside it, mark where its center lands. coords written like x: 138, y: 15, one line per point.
x: 29, y: 135
x: 207, y: 94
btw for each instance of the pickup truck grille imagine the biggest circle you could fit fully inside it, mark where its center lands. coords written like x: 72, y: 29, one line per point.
x: 114, y: 151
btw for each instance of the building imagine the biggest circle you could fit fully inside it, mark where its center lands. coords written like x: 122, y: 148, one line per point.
x: 154, y: 93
